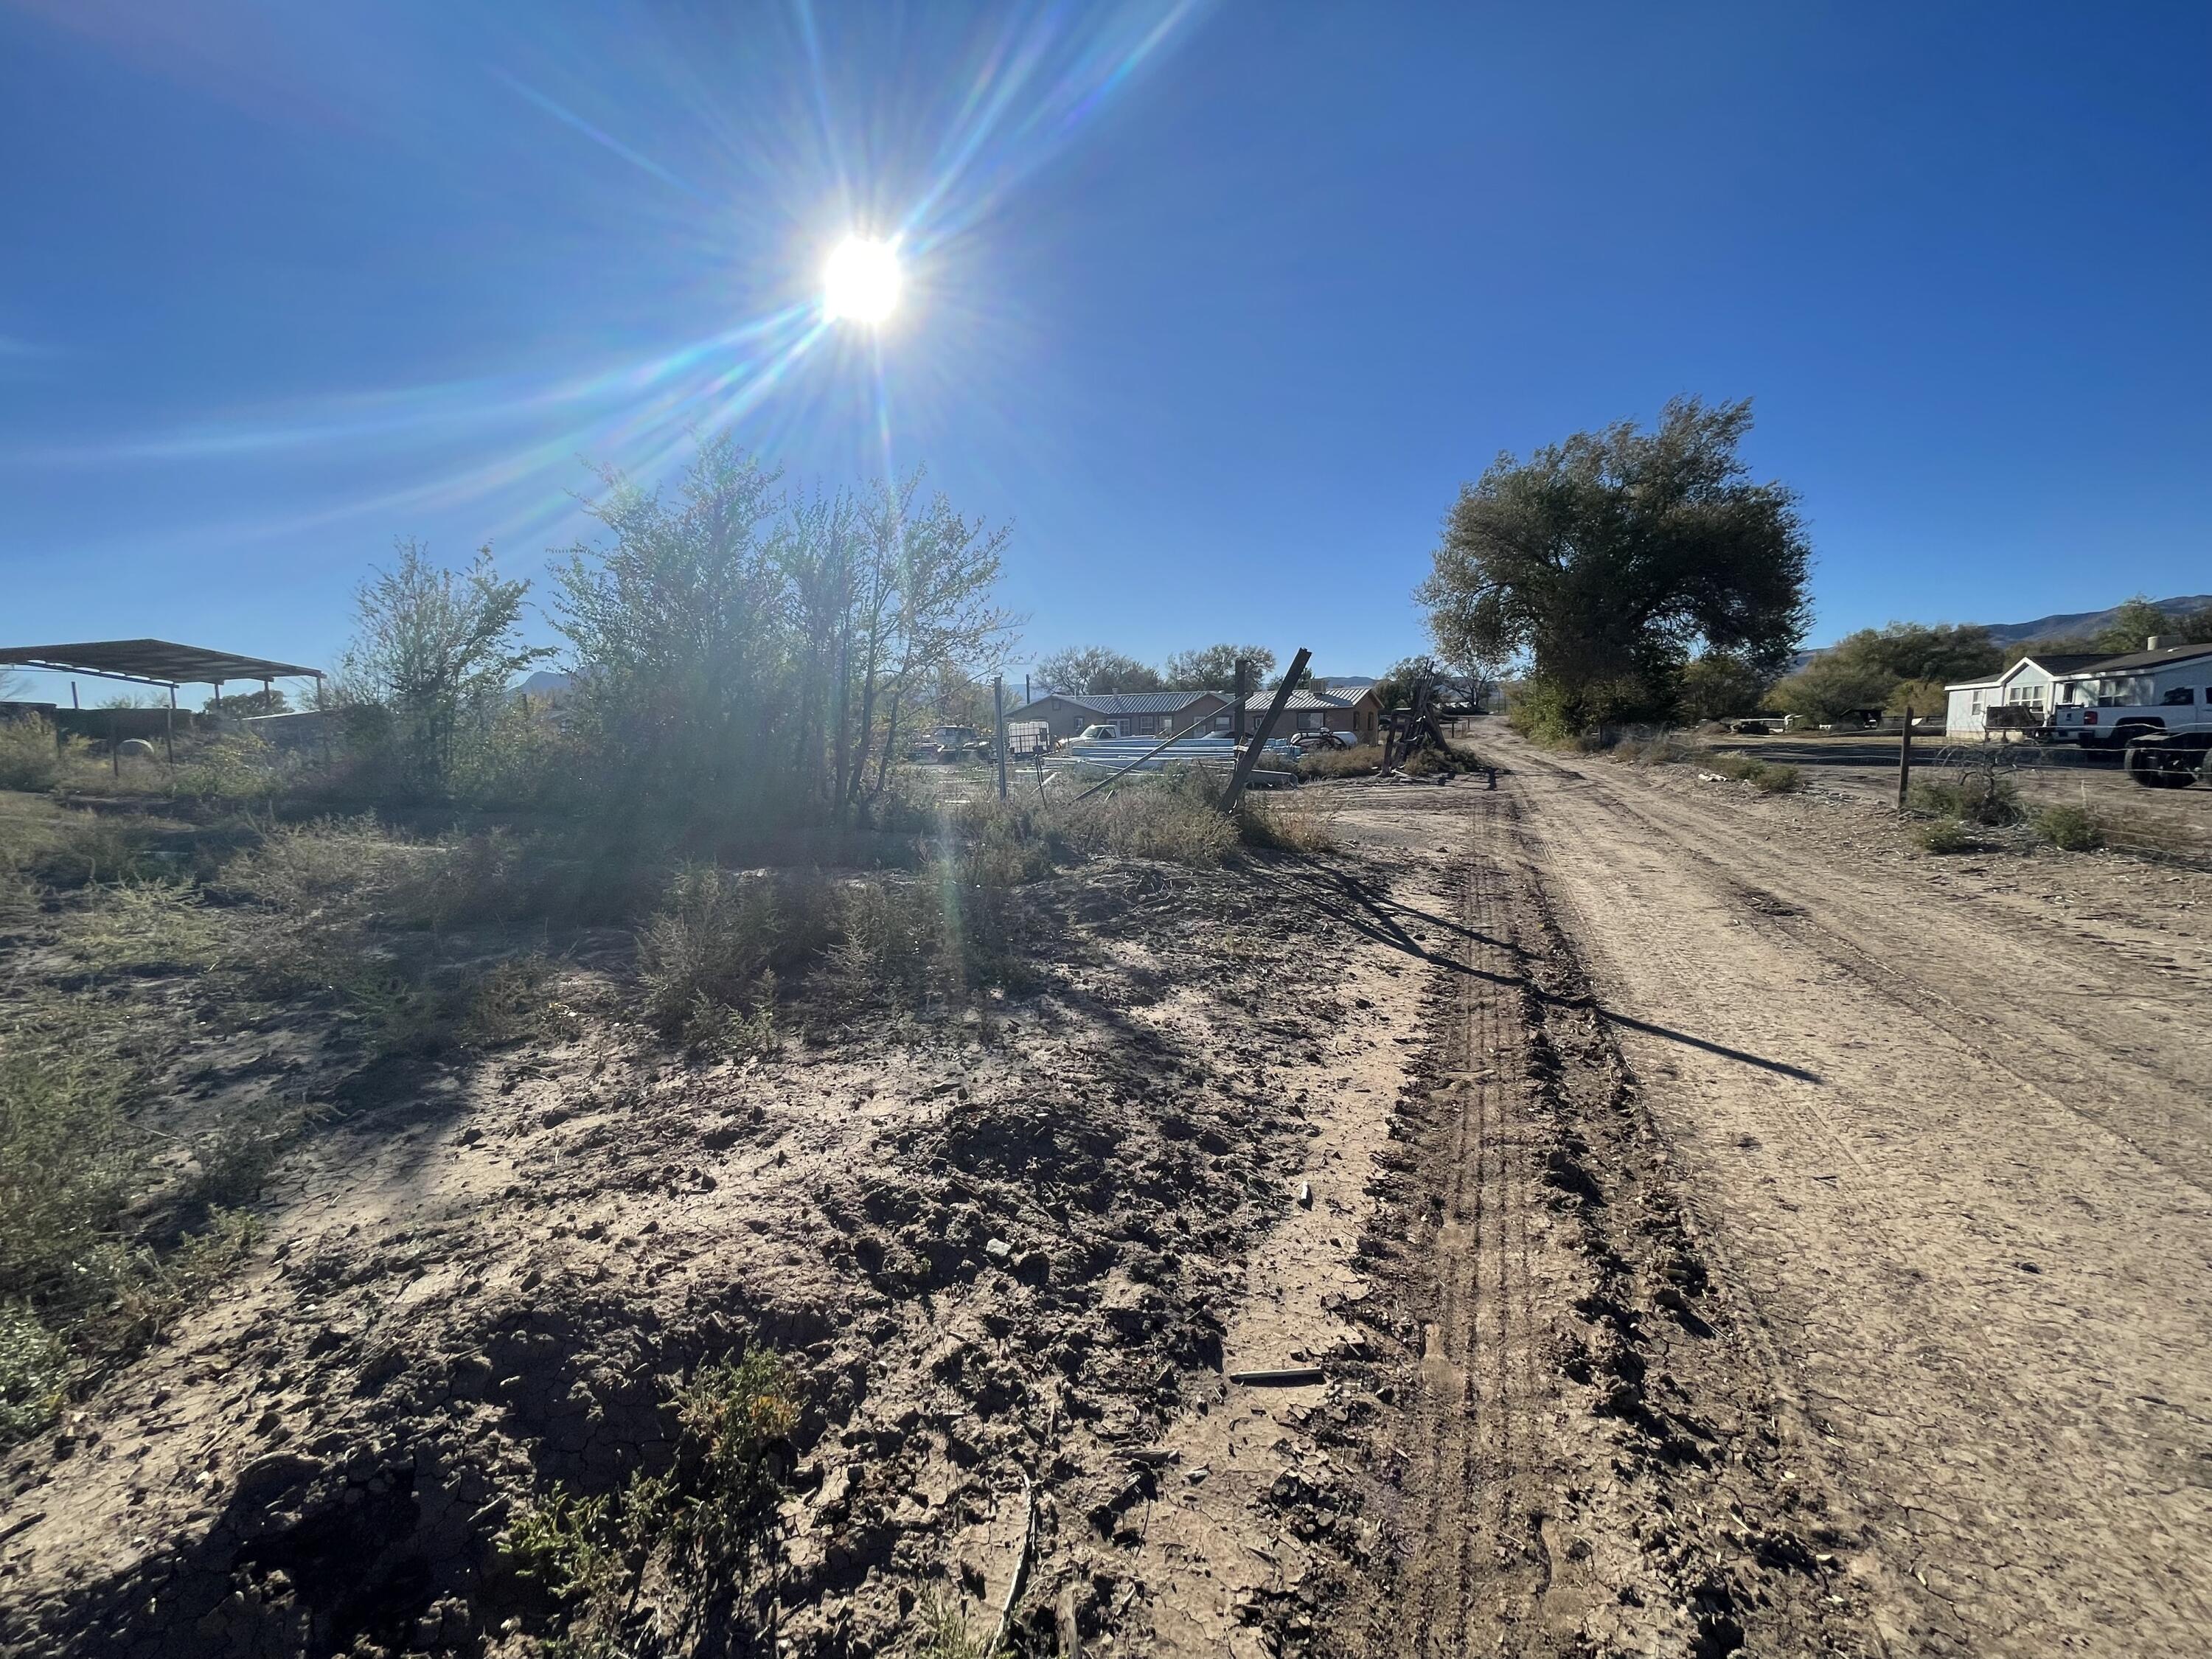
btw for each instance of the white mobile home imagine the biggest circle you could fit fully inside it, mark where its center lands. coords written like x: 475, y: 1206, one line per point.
x: 2028, y: 682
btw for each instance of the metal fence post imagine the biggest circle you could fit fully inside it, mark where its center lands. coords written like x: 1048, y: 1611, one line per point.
x: 999, y: 718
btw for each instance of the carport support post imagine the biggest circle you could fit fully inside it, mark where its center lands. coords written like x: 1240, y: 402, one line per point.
x: 1904, y: 759
x: 998, y: 721
x: 169, y: 727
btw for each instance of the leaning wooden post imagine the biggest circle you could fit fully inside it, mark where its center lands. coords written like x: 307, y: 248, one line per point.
x: 999, y: 720
x: 1250, y: 758
x: 1904, y: 759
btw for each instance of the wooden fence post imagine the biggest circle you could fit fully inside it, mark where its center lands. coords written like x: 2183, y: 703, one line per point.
x: 1904, y: 759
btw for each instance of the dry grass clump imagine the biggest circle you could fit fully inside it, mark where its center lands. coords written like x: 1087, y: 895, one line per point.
x: 80, y: 1281
x: 1361, y: 761
x: 1172, y: 816
x: 1294, y: 823
x: 1985, y: 798
x: 1765, y: 776
x: 2070, y: 829
x: 29, y: 757
x: 718, y: 932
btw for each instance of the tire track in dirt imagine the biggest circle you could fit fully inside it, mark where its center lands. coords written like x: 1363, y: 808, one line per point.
x: 1983, y: 1270
x: 1592, y: 1457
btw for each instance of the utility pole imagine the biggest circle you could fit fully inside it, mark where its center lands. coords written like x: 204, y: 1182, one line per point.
x: 999, y: 718
x: 1904, y: 759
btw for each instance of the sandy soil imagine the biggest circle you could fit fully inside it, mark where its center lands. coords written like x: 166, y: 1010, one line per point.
x: 1718, y: 1227
x: 1946, y: 1125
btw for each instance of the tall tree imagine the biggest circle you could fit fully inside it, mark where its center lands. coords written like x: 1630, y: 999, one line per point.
x: 1213, y: 667
x: 1603, y: 561
x: 1096, y: 669
x: 2139, y: 619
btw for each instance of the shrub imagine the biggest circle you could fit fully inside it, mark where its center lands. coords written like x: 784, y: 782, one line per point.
x: 1173, y: 816
x: 1297, y: 823
x: 66, y: 1156
x: 144, y: 927
x: 2073, y: 828
x: 696, y: 1534
x: 1361, y: 760
x: 83, y: 848
x: 1429, y: 762
x: 1978, y: 796
x: 231, y: 766
x: 1765, y: 776
x: 1946, y: 835
x: 29, y: 758
x: 33, y: 1372
x: 718, y: 932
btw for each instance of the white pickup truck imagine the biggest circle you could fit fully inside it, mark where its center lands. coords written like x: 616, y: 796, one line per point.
x: 2164, y: 744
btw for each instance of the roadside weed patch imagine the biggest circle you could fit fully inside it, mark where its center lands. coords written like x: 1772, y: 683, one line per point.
x: 1946, y: 835
x: 1768, y: 777
x: 2070, y: 829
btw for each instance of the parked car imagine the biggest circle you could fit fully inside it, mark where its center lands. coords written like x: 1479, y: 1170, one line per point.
x: 1309, y: 741
x: 950, y: 742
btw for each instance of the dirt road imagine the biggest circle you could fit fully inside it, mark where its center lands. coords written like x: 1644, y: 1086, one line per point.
x: 1932, y: 1143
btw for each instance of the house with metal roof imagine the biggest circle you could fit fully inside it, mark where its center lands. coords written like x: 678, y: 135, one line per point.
x: 1354, y: 710
x: 1139, y: 714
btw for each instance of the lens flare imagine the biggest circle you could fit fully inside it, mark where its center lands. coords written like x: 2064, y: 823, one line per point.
x: 861, y: 284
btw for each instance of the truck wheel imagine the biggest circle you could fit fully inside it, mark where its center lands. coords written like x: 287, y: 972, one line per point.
x: 2145, y: 767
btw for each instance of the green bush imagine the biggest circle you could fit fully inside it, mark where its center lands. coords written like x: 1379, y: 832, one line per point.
x: 231, y: 766
x: 718, y: 932
x: 33, y: 1372
x: 1946, y: 835
x: 2073, y: 828
x: 68, y: 1161
x: 1765, y: 776
x: 700, y: 1534
x: 1979, y: 796
x: 29, y: 758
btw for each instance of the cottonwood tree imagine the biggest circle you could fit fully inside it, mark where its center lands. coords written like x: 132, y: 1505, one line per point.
x: 433, y: 653
x: 1213, y: 667
x: 1096, y: 669
x: 1602, y: 561
x: 1717, y: 685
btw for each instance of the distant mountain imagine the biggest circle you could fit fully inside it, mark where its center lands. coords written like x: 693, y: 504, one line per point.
x: 2072, y: 622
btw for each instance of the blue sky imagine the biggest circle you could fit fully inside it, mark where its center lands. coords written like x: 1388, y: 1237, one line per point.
x: 1218, y: 304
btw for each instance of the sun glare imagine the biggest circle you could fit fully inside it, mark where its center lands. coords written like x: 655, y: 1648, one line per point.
x: 861, y: 284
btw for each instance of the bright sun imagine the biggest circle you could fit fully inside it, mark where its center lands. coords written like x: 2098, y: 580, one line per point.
x: 861, y: 284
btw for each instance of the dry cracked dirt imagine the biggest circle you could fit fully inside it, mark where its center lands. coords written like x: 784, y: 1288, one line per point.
x: 1716, y: 1226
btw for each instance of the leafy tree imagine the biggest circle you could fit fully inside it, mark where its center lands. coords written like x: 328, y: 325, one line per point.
x: 1864, y: 669
x: 1943, y: 651
x: 1399, y: 687
x: 1096, y: 669
x: 1717, y: 685
x: 1603, y: 561
x: 1833, y: 683
x: 1213, y: 668
x: 433, y: 651
x: 2058, y: 644
x: 2138, y: 619
x: 1921, y: 696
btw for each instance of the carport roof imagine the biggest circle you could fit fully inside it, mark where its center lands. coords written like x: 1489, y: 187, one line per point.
x: 159, y: 662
